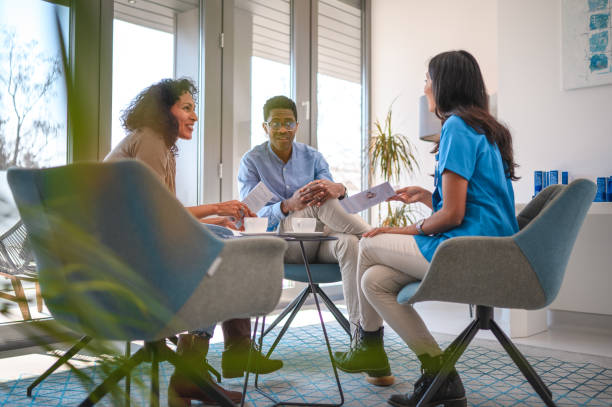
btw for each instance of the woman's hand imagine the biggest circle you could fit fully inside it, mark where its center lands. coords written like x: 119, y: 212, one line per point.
x: 412, y: 194
x: 221, y: 221
x: 410, y: 230
x: 234, y: 208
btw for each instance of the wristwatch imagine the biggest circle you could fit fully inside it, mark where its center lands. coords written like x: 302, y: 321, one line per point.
x: 419, y: 227
x: 344, y: 195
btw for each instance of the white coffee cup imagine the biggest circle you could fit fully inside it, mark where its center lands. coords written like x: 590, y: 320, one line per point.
x: 304, y: 225
x: 255, y: 225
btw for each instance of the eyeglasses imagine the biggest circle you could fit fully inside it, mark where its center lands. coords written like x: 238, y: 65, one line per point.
x: 277, y: 124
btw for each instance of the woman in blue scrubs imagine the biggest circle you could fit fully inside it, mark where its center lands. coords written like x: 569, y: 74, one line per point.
x: 472, y: 196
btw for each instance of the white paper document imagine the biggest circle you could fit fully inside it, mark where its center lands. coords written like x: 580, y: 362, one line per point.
x: 258, y: 197
x: 368, y: 198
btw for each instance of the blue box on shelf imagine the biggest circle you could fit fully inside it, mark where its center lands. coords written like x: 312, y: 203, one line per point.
x: 609, y: 189
x: 564, y: 177
x: 553, y: 177
x: 537, y: 182
x: 600, y: 196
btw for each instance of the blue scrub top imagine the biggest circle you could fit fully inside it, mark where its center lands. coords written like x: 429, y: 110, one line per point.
x: 489, y: 207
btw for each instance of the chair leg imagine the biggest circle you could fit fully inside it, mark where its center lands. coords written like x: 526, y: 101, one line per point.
x: 128, y: 377
x: 63, y: 359
x: 154, y: 377
x: 197, y: 378
x: 39, y: 299
x: 453, y: 346
x: 116, y: 375
x: 449, y: 363
x: 300, y: 298
x: 22, y: 301
x: 524, y: 366
x: 297, y: 308
x: 344, y: 323
x: 249, y: 361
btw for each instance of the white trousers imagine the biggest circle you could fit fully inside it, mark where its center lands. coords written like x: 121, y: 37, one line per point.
x: 387, y: 262
x: 347, y: 228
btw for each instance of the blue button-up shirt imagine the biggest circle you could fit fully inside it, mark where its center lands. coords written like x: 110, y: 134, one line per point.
x: 262, y: 164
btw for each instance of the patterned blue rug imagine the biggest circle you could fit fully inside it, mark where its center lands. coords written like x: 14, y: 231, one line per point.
x: 490, y: 377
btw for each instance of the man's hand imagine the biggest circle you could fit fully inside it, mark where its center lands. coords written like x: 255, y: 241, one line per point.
x: 410, y: 195
x: 295, y: 203
x: 234, y: 208
x: 319, y: 191
x: 313, y: 193
x: 221, y: 221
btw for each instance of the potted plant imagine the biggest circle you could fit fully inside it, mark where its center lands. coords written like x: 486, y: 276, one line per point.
x: 391, y: 154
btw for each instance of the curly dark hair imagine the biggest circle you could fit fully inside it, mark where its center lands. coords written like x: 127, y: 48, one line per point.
x: 459, y: 89
x: 151, y: 108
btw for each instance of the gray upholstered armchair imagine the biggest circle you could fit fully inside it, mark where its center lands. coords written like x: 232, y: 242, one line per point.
x: 119, y: 258
x: 521, y: 271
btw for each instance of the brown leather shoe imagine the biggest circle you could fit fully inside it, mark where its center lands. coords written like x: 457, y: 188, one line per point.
x: 181, y: 390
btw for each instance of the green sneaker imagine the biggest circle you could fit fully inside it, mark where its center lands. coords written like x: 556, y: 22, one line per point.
x: 367, y: 355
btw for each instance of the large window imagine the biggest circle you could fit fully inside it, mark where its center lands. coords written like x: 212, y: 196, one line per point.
x: 153, y: 40
x: 263, y: 44
x: 339, y: 132
x: 33, y: 107
x: 141, y: 57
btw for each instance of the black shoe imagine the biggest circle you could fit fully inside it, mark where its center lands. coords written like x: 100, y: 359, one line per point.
x: 367, y: 355
x: 235, y: 358
x: 450, y: 394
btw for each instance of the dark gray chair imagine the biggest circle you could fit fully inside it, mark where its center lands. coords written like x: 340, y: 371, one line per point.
x: 522, y: 271
x: 119, y: 258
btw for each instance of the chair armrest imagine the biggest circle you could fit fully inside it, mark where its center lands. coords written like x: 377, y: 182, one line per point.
x: 493, y: 280
x: 247, y: 282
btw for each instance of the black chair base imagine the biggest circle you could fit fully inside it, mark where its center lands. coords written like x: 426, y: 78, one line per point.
x: 484, y: 320
x: 155, y: 352
x: 292, y: 309
x: 60, y: 361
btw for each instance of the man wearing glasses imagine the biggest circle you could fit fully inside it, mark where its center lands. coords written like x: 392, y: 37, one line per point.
x: 299, y: 177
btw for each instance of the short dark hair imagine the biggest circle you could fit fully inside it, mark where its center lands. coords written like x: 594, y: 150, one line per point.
x: 279, y: 102
x: 151, y: 108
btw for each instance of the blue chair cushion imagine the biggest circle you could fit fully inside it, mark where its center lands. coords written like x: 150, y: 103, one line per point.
x: 321, y: 272
x: 407, y: 292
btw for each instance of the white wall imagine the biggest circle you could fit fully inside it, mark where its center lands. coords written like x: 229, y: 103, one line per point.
x: 552, y: 128
x: 405, y: 35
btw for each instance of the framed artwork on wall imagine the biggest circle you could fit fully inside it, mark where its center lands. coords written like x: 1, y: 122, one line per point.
x: 586, y: 50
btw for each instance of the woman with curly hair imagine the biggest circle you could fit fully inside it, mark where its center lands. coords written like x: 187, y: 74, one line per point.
x: 154, y: 121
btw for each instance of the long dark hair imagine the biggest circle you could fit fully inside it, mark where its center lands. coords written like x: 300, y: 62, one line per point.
x: 151, y: 108
x: 458, y: 89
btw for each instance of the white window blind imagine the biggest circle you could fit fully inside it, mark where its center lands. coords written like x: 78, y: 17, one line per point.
x: 271, y: 28
x: 155, y: 14
x: 340, y: 39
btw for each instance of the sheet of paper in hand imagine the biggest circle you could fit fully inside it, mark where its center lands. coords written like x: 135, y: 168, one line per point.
x: 258, y: 197
x: 368, y: 198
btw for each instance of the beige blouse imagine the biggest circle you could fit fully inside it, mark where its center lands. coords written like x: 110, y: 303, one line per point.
x: 149, y: 147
